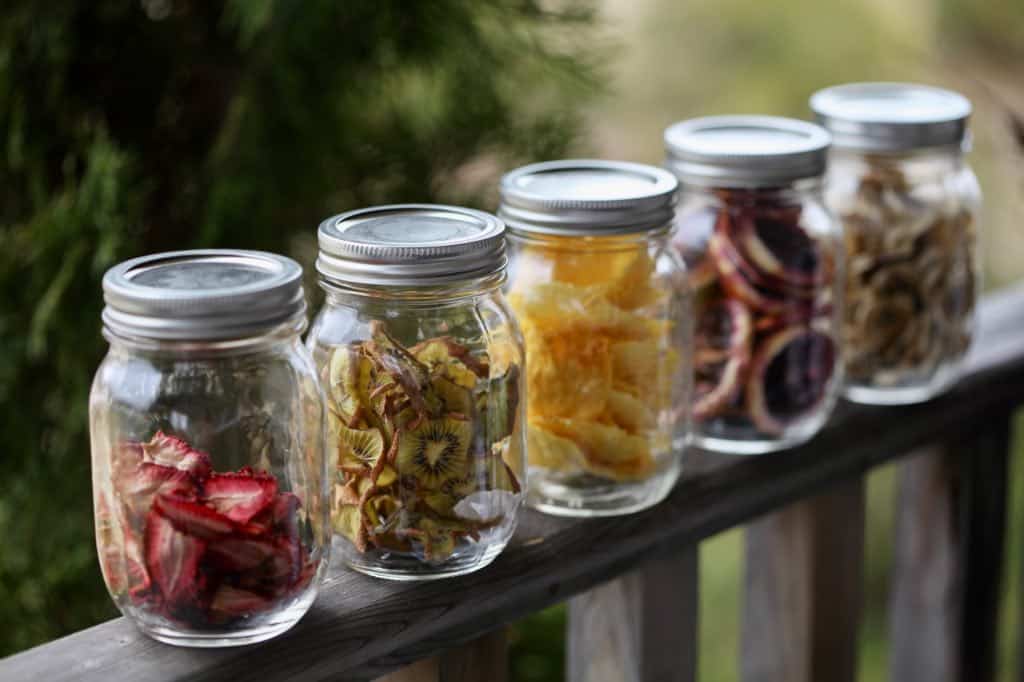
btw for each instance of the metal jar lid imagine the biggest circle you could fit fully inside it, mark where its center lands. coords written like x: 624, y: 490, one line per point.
x: 410, y: 245
x: 210, y: 294
x: 587, y: 197
x: 891, y: 116
x: 745, y: 151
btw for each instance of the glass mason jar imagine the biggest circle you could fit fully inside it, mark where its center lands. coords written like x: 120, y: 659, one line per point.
x: 207, y: 426
x: 909, y: 204
x: 604, y: 308
x: 764, y: 258
x: 422, y: 361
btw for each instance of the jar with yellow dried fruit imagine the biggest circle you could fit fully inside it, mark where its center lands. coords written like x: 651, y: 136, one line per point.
x: 604, y: 308
x: 421, y: 360
x: 764, y: 258
x: 909, y: 204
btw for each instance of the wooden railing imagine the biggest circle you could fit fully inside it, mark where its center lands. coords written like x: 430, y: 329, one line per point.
x: 632, y: 582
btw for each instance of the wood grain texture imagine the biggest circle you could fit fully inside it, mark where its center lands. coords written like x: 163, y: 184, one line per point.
x: 484, y: 659
x: 804, y: 590
x: 641, y: 627
x: 950, y: 523
x: 362, y: 628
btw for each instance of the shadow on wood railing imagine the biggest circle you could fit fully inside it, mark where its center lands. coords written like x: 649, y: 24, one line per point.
x: 803, y: 585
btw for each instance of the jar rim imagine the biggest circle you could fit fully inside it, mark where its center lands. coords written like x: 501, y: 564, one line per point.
x: 587, y: 197
x: 410, y: 244
x: 893, y: 117
x: 203, y: 295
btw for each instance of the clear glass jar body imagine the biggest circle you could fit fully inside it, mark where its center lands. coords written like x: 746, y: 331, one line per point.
x: 910, y: 225
x: 765, y: 266
x: 425, y: 432
x: 607, y: 326
x: 210, y: 486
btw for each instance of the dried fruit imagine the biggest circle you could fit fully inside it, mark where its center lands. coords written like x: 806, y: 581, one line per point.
x: 772, y: 286
x: 789, y: 377
x: 910, y: 286
x: 600, y: 364
x: 723, y: 339
x: 435, y: 451
x: 415, y: 449
x: 216, y: 546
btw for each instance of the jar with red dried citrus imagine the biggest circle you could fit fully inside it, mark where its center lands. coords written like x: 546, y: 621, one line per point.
x: 764, y: 258
x: 602, y: 301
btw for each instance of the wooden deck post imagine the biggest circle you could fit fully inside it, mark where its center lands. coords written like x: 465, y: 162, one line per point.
x: 951, y: 516
x: 483, y: 660
x: 639, y: 628
x: 804, y: 574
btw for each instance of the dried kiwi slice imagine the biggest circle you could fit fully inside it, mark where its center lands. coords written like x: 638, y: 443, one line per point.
x: 435, y: 451
x: 502, y: 403
x: 351, y: 377
x: 359, y: 449
x: 789, y: 377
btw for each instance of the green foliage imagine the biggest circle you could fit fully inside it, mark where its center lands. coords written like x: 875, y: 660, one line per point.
x: 134, y: 127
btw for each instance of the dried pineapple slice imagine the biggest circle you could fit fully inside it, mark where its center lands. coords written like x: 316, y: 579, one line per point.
x: 567, y: 377
x: 608, y: 450
x: 564, y: 309
x: 549, y: 451
x: 630, y: 413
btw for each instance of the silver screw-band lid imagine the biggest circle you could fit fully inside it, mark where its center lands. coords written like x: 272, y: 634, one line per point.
x: 410, y: 245
x: 891, y: 117
x: 209, y: 294
x: 587, y: 197
x: 745, y: 151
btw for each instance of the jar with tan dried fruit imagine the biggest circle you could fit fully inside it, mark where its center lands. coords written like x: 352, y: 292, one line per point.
x: 909, y: 205
x: 604, y: 308
x: 422, y: 363
x: 764, y: 258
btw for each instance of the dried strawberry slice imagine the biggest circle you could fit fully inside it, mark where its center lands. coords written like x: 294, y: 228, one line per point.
x: 286, y: 515
x: 174, y: 452
x: 193, y: 518
x: 172, y: 560
x: 722, y: 354
x: 240, y: 496
x: 240, y: 554
x: 229, y: 603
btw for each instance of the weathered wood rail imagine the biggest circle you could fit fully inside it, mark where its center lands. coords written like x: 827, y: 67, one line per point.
x: 633, y: 580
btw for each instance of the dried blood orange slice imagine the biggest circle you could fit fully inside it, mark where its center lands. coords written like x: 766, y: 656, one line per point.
x: 789, y: 377
x: 721, y: 356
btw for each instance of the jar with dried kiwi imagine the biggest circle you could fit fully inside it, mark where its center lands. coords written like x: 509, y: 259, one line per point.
x: 909, y: 204
x: 421, y: 361
x: 604, y: 307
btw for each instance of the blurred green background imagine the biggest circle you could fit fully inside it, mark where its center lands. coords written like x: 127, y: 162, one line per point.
x: 130, y: 127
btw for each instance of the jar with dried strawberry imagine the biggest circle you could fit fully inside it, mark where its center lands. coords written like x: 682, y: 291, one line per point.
x: 604, y: 308
x: 909, y: 202
x: 422, y: 363
x: 207, y: 426
x: 764, y: 257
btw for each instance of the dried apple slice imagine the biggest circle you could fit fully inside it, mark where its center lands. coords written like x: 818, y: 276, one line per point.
x: 722, y: 354
x: 789, y: 377
x: 239, y: 496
